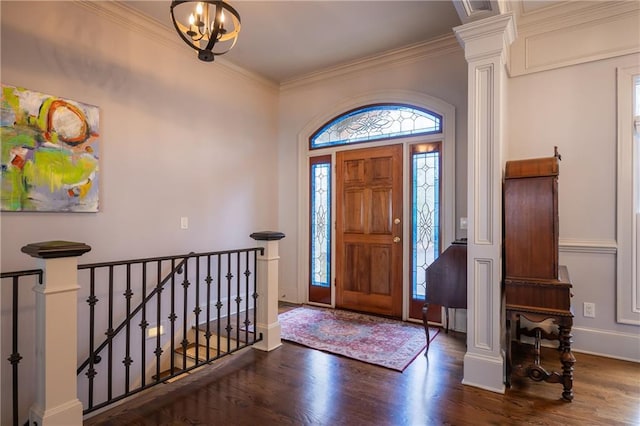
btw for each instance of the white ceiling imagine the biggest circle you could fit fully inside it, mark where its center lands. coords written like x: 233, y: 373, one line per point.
x: 283, y: 40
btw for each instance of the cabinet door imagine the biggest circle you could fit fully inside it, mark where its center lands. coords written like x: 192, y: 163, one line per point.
x: 531, y: 227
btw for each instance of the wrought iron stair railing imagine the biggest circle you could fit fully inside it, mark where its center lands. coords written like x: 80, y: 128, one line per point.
x: 17, y: 278
x: 200, y: 306
x: 214, y: 285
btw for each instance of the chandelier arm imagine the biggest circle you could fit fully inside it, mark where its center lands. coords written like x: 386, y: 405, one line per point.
x: 213, y: 38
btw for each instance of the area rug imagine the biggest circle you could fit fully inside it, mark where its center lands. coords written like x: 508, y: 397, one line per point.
x: 375, y: 340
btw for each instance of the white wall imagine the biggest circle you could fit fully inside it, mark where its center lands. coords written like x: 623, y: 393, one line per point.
x: 179, y: 137
x: 574, y: 108
x: 441, y: 74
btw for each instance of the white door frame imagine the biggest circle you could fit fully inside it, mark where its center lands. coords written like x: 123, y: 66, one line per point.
x: 447, y: 137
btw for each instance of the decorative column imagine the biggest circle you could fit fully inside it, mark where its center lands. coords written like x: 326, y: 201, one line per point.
x: 486, y: 43
x: 57, y: 400
x: 267, y: 302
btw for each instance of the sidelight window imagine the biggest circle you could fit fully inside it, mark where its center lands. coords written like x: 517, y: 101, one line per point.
x: 425, y: 215
x: 320, y: 229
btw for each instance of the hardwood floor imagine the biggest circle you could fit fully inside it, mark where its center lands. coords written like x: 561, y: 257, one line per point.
x: 294, y: 385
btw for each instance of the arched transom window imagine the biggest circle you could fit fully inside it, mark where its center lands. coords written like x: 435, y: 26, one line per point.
x: 376, y: 122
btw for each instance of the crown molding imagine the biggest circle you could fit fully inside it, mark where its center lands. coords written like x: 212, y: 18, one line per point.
x: 133, y: 20
x: 435, y: 47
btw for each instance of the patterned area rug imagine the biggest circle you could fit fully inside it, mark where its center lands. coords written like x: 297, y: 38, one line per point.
x: 380, y: 341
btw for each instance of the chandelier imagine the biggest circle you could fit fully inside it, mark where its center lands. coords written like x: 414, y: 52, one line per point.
x: 210, y: 27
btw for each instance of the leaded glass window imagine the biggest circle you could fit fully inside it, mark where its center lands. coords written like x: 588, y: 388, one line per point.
x: 425, y: 212
x: 320, y: 224
x: 376, y: 122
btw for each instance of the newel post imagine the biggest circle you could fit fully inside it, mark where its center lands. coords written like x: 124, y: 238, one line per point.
x: 267, y: 302
x: 57, y: 400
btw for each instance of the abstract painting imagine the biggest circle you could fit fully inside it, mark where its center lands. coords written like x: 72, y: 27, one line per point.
x: 49, y: 153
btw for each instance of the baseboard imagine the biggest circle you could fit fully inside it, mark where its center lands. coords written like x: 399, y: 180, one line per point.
x: 484, y: 372
x: 611, y: 344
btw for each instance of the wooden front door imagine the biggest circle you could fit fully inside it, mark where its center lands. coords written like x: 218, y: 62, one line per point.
x: 369, y: 230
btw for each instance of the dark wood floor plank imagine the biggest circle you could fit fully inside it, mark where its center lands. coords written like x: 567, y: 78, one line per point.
x: 294, y: 385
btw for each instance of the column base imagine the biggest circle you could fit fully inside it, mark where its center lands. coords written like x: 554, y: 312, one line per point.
x: 67, y: 414
x: 270, y: 337
x: 484, y: 372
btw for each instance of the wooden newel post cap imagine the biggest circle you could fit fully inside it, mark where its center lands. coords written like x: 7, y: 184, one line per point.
x: 54, y: 249
x: 267, y: 236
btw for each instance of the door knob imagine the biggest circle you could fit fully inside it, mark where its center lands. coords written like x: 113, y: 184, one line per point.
x: 396, y: 220
x: 396, y: 239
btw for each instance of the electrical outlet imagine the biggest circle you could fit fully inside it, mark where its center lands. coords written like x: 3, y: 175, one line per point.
x: 589, y: 310
x: 184, y: 222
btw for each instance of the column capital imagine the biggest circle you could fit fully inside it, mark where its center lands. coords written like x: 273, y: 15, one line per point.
x: 487, y: 37
x: 55, y: 249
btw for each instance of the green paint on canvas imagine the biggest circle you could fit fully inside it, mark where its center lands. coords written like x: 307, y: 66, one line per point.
x: 55, y: 168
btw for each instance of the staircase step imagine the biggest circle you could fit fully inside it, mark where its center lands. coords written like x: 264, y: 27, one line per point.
x: 166, y: 373
x: 232, y: 322
x: 202, y: 354
x: 213, y: 342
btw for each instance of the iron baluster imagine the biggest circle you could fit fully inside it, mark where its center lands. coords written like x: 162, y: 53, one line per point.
x: 238, y: 299
x: 218, y: 304
x: 228, y: 326
x: 185, y: 299
x: 110, y: 338
x: 15, y: 357
x: 196, y: 310
x: 127, y: 358
x: 246, y: 297
x: 143, y: 325
x: 172, y: 318
x: 92, y: 300
x: 158, y: 350
x: 208, y: 281
x: 255, y: 295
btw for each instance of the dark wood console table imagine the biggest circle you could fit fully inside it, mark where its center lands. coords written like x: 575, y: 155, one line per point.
x: 537, y: 301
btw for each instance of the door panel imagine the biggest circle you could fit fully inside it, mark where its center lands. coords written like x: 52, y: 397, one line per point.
x: 380, y: 271
x: 354, y: 172
x: 368, y: 247
x: 381, y: 202
x: 354, y: 211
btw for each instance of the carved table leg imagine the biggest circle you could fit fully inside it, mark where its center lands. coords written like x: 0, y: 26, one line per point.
x: 425, y: 308
x: 567, y: 359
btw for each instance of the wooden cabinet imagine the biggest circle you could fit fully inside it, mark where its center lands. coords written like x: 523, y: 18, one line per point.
x: 535, y: 286
x: 531, y: 218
